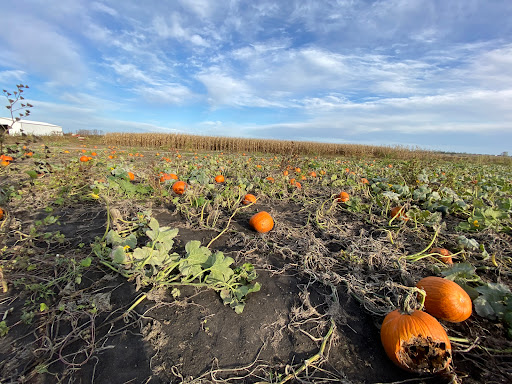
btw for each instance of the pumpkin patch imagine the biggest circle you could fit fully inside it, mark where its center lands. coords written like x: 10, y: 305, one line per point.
x: 298, y: 255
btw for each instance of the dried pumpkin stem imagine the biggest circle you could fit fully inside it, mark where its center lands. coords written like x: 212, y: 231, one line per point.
x: 413, y: 292
x: 419, y: 254
x: 227, y: 225
x: 313, y: 358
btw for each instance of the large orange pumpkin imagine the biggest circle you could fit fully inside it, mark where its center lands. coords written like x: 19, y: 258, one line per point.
x: 261, y: 222
x: 416, y: 342
x: 445, y: 299
x: 179, y: 187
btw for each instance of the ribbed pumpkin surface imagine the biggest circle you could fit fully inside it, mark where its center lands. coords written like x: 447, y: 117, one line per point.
x: 445, y: 299
x: 262, y: 222
x: 416, y: 342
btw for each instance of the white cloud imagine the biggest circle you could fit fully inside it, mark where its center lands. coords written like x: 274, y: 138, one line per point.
x: 174, y: 30
x: 131, y: 73
x: 41, y: 48
x: 11, y: 76
x: 100, y: 7
x: 166, y: 94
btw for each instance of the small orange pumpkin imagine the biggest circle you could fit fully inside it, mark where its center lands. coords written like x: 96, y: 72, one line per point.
x: 1, y: 213
x: 248, y: 199
x: 446, y: 255
x: 179, y: 187
x: 261, y: 222
x: 416, y: 342
x: 398, y: 212
x: 445, y: 299
x: 312, y: 174
x: 364, y: 180
x: 219, y: 179
x: 343, y: 197
x: 131, y: 176
x: 84, y: 159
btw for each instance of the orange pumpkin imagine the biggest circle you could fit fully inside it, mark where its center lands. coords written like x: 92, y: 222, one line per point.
x: 261, y: 222
x: 446, y: 255
x: 445, y: 299
x: 219, y: 179
x: 416, y: 342
x: 6, y: 158
x: 1, y: 213
x: 248, y: 199
x: 398, y: 212
x: 312, y: 174
x: 173, y: 176
x: 179, y: 187
x: 131, y: 176
x: 343, y: 197
x: 84, y: 159
x: 364, y: 180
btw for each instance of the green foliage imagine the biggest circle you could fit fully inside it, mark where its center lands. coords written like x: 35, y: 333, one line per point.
x: 495, y: 303
x: 155, y: 265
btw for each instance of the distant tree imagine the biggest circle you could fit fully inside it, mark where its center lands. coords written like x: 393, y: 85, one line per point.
x: 15, y: 105
x: 504, y: 154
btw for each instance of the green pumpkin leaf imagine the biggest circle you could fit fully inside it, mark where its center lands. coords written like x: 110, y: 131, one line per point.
x: 492, y: 302
x: 219, y: 266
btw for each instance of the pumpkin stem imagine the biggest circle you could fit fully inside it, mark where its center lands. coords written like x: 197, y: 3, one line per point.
x: 408, y: 306
x: 419, y: 255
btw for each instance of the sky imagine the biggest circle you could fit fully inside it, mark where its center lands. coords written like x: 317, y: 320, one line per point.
x: 433, y: 74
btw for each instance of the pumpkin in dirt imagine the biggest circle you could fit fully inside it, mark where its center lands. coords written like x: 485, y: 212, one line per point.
x: 248, y: 199
x: 398, y: 212
x: 179, y: 187
x: 219, y: 179
x: 131, y: 176
x: 261, y: 222
x: 446, y: 255
x: 445, y: 299
x: 343, y: 197
x: 84, y: 159
x: 416, y: 342
x: 1, y: 213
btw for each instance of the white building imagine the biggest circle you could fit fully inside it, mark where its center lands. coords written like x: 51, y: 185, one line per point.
x: 30, y: 127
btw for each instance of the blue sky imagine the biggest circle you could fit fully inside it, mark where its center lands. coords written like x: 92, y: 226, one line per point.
x: 435, y: 74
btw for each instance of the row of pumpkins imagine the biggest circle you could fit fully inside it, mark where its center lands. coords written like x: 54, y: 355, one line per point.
x: 414, y: 340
